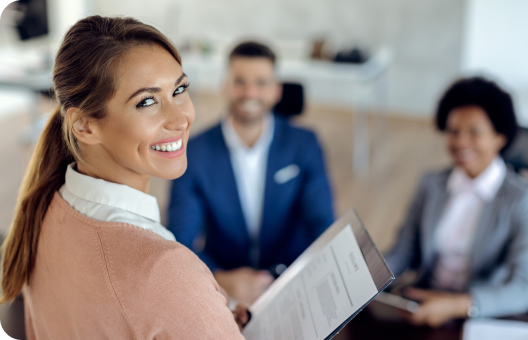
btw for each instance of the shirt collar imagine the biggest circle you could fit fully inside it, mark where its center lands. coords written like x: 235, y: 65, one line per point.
x: 486, y: 185
x: 234, y: 142
x: 112, y: 194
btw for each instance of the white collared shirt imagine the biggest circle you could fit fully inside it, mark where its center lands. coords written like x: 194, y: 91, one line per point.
x: 249, y: 167
x: 111, y: 202
x: 456, y: 229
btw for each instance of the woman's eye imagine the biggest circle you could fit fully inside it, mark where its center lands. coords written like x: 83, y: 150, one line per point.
x: 181, y: 89
x: 146, y: 102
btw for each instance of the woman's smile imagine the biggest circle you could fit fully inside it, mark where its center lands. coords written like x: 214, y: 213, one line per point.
x: 169, y: 148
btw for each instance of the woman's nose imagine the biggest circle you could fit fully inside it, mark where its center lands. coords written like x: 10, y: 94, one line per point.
x: 175, y: 118
x: 463, y: 140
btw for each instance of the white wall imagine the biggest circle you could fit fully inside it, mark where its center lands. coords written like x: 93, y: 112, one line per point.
x: 496, y: 44
x: 425, y: 34
x: 62, y: 14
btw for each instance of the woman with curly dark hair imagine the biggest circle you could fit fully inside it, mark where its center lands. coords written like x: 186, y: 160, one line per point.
x: 466, y: 232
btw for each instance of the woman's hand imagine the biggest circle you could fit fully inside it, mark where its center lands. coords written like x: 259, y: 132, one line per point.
x: 437, y: 308
x: 242, y: 315
x: 244, y: 284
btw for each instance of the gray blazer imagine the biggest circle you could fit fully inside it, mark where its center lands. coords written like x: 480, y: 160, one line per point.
x: 498, y: 281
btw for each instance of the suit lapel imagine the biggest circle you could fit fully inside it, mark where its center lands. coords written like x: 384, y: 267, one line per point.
x: 484, y: 230
x: 434, y: 210
x: 272, y: 197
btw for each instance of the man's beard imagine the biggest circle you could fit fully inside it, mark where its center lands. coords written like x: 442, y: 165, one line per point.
x: 248, y: 111
x: 252, y: 106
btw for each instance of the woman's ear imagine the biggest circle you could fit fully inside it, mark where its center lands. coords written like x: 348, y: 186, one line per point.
x: 85, y: 129
x: 501, y: 141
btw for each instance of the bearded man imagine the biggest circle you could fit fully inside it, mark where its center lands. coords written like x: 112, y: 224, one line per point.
x: 256, y: 193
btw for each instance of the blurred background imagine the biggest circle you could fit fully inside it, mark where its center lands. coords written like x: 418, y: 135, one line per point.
x: 372, y: 108
x: 372, y: 72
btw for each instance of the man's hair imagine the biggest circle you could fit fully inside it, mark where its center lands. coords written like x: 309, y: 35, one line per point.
x: 485, y: 94
x: 251, y: 49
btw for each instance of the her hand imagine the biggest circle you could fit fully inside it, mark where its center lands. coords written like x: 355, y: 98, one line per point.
x: 437, y: 308
x: 244, y: 284
x: 242, y: 315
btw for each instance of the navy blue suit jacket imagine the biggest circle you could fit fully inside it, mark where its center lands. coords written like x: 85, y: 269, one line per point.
x: 205, y: 200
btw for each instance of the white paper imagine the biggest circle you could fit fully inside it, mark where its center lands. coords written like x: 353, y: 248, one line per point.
x: 311, y: 301
x: 489, y: 329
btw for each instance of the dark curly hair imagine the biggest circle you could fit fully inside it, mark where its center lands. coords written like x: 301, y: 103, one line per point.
x: 485, y: 94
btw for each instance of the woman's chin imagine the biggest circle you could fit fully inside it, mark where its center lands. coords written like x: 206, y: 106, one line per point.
x: 171, y: 173
x: 465, y: 161
x: 472, y: 169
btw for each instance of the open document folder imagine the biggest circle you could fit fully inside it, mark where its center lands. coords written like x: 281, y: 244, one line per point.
x: 332, y: 280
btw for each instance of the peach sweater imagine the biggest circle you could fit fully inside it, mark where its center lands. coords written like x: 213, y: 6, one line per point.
x: 102, y: 280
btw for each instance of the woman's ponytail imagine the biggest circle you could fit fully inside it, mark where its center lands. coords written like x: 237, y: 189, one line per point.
x: 44, y: 176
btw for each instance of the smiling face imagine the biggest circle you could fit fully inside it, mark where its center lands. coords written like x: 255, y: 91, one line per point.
x: 472, y: 140
x: 146, y: 127
x: 251, y: 88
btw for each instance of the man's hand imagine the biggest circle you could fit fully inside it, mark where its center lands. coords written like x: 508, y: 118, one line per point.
x: 437, y: 308
x: 244, y: 284
x: 242, y: 315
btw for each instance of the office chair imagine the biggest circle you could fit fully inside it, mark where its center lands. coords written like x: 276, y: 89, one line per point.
x: 292, y: 101
x: 517, y: 153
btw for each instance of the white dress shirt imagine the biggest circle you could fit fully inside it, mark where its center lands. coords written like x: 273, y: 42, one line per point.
x: 249, y: 167
x: 461, y: 217
x: 111, y: 202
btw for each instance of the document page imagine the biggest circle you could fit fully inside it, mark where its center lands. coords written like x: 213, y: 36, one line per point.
x: 317, y: 296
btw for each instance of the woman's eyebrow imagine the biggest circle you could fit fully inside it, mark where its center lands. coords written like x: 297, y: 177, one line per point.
x: 154, y: 89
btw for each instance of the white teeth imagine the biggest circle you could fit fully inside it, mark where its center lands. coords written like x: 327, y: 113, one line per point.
x: 252, y: 106
x: 173, y: 146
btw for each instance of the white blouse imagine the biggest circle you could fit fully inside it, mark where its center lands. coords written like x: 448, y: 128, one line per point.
x: 111, y: 202
x: 461, y: 217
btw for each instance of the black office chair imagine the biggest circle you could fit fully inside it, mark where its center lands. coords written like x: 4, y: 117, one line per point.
x: 292, y: 101
x: 12, y: 315
x: 517, y: 153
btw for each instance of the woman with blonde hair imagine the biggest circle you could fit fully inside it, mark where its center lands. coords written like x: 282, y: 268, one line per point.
x: 86, y: 247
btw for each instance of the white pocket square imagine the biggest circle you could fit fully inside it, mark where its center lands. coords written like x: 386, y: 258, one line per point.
x: 285, y: 174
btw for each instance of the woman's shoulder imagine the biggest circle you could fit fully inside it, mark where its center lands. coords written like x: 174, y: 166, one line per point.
x: 435, y: 180
x: 515, y: 187
x: 141, y: 250
x: 163, y: 287
x: 125, y: 245
x: 437, y: 175
x: 156, y: 281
